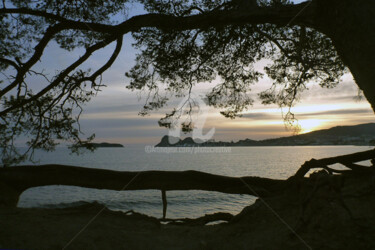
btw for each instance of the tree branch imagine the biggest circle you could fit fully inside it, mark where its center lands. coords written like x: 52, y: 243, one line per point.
x: 343, y: 159
x: 38, y: 52
x: 216, y: 18
x: 219, y: 18
x: 10, y: 62
x: 300, y: 13
x: 61, y: 76
x: 108, y: 64
x: 67, y: 22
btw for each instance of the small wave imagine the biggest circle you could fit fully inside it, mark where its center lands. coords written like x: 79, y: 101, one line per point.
x: 65, y: 204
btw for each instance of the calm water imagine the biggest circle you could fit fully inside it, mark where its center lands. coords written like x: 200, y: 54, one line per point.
x: 273, y: 162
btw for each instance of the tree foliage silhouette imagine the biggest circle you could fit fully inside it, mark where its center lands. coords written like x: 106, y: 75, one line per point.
x: 182, y: 43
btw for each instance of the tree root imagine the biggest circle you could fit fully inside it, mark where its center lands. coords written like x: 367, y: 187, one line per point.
x: 346, y: 160
x: 201, y: 221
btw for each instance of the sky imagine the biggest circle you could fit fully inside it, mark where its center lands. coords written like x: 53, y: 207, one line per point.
x: 113, y: 114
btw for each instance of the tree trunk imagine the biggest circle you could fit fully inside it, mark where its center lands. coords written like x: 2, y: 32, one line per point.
x: 15, y: 180
x: 351, y: 26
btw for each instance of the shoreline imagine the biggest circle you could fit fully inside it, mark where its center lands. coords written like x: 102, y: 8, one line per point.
x: 319, y: 215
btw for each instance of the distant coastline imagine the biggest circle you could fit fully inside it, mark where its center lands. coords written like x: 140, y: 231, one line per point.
x: 105, y: 145
x: 359, y: 135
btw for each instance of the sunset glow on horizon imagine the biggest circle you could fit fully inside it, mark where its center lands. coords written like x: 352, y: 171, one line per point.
x: 113, y: 114
x: 118, y: 121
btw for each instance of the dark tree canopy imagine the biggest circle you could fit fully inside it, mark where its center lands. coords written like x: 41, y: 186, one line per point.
x: 182, y: 43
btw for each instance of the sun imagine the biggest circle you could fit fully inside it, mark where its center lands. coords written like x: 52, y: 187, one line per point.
x: 310, y: 125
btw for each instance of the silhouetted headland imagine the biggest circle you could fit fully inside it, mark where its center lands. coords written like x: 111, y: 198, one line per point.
x: 105, y: 145
x: 360, y: 135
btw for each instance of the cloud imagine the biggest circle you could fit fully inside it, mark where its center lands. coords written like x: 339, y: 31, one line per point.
x: 113, y: 109
x: 340, y: 112
x: 122, y: 123
x: 262, y: 116
x: 113, y: 114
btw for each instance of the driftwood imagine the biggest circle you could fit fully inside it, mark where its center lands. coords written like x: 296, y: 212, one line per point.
x: 15, y: 180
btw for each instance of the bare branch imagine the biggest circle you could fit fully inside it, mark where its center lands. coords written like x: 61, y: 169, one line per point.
x: 61, y: 76
x: 51, y: 31
x: 10, y: 62
x: 108, y: 63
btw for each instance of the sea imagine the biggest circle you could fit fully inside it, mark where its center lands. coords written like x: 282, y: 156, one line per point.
x: 272, y: 162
